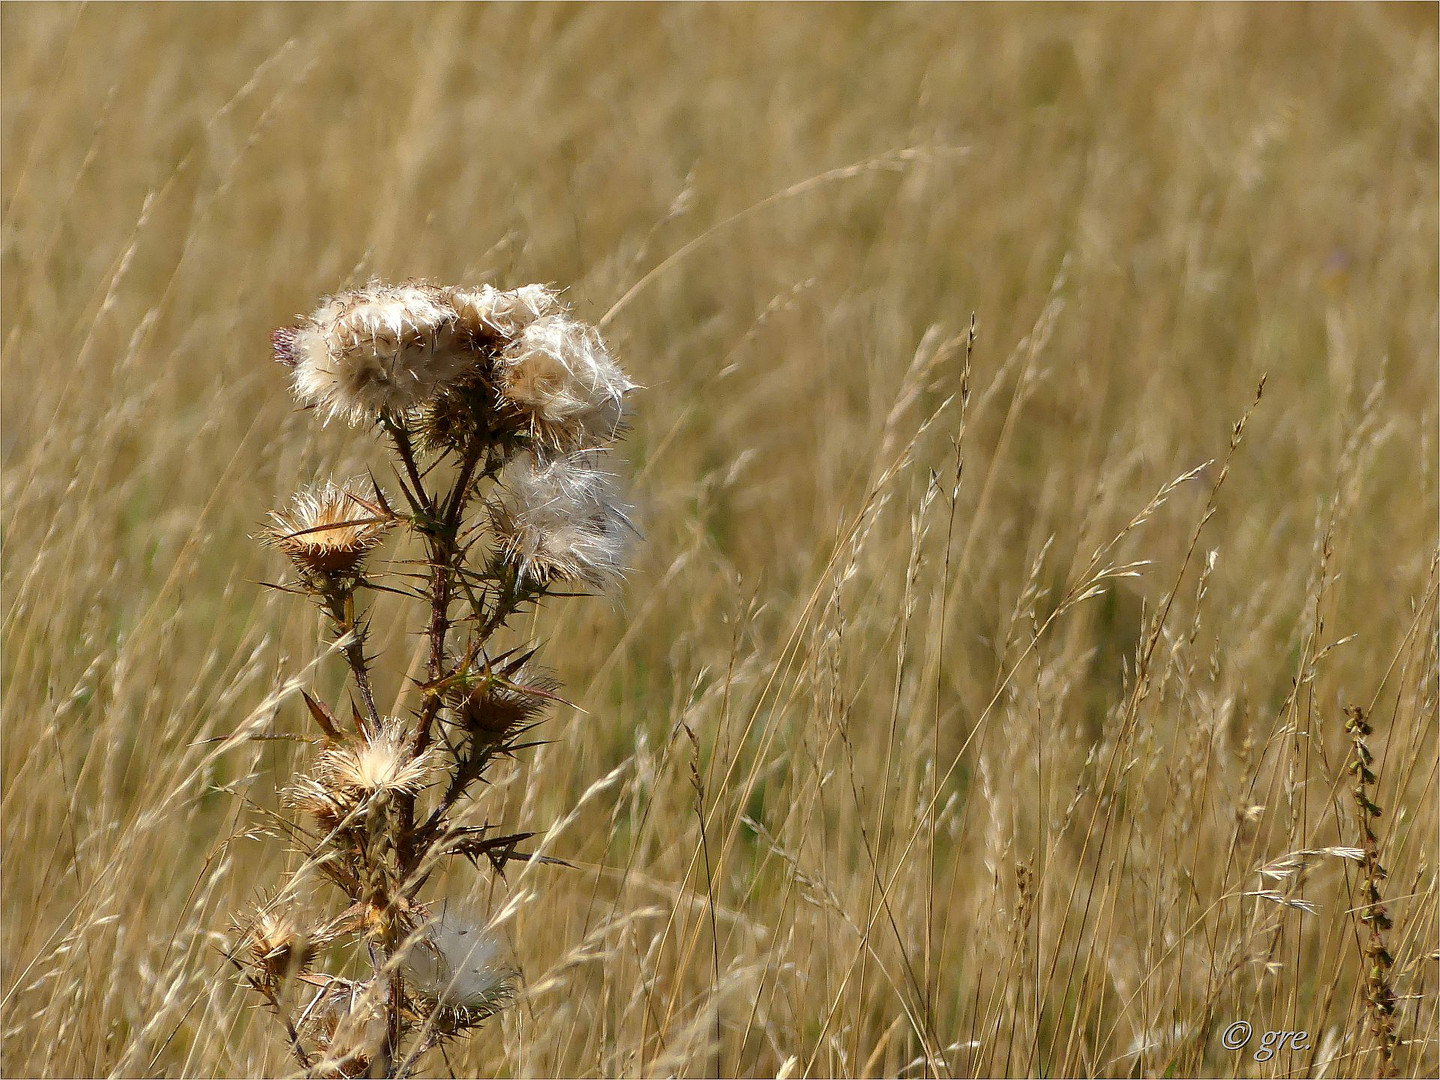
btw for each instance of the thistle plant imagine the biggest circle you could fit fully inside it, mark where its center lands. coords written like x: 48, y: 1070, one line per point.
x: 498, y: 408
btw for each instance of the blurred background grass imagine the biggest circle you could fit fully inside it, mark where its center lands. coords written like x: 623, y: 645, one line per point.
x: 1146, y: 208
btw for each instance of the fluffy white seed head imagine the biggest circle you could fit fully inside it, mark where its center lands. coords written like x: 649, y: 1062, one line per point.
x: 488, y: 312
x: 379, y: 763
x: 559, y: 376
x: 562, y: 520
x: 459, y: 965
x: 383, y: 348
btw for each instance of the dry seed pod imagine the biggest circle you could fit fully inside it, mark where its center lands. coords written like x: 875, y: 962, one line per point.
x: 329, y: 809
x: 328, y: 530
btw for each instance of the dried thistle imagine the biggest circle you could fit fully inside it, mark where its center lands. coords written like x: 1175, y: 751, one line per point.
x: 279, y: 948
x: 561, y: 521
x: 327, y: 531
x: 378, y: 350
x: 488, y: 312
x: 458, y: 965
x: 559, y: 377
x: 511, y: 402
x: 379, y: 763
x: 346, y: 1022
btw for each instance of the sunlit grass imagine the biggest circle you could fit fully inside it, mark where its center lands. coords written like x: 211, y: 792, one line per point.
x: 956, y: 819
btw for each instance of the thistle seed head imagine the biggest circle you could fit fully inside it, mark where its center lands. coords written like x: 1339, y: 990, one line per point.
x: 458, y: 965
x: 559, y: 377
x: 488, y: 313
x: 378, y: 764
x: 347, y: 1023
x: 279, y: 948
x: 328, y: 530
x: 561, y: 520
x: 329, y: 808
x: 380, y: 349
x: 495, y: 710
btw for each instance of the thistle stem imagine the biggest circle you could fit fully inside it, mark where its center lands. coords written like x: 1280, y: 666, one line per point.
x: 341, y: 608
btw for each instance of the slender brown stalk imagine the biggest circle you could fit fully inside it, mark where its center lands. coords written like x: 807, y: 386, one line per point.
x: 1371, y: 912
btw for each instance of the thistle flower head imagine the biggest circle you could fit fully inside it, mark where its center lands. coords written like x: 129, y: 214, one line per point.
x: 495, y: 704
x: 459, y: 965
x: 561, y: 520
x: 328, y: 529
x: 380, y: 763
x: 329, y: 808
x: 278, y: 947
x: 347, y: 1022
x: 380, y: 349
x: 558, y: 375
x: 500, y: 314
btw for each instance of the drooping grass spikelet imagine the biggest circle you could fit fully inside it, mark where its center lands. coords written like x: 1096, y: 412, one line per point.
x: 561, y: 520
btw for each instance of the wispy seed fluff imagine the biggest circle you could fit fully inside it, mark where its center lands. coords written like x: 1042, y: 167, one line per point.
x: 379, y: 763
x: 488, y: 312
x: 383, y: 348
x: 459, y: 965
x: 329, y: 528
x: 559, y: 376
x: 561, y: 520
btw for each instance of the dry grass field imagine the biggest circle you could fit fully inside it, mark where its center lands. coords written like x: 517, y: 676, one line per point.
x: 1015, y: 755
